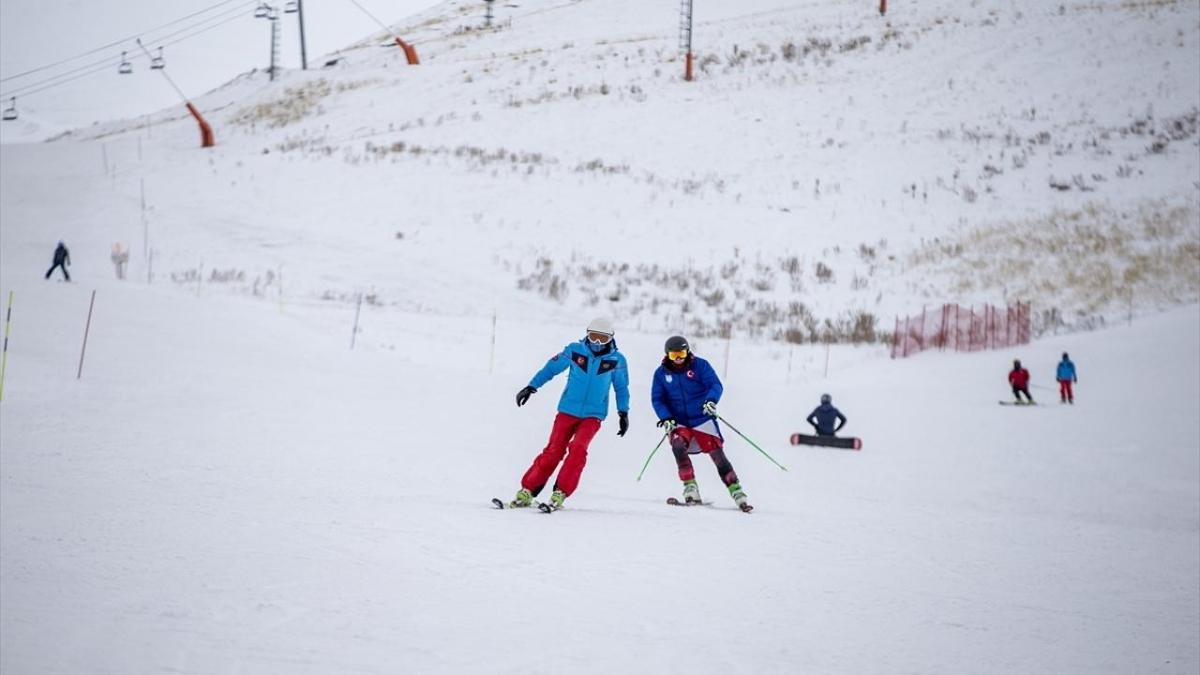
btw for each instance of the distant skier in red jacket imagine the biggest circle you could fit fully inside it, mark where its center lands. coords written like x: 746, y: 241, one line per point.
x: 1018, y: 377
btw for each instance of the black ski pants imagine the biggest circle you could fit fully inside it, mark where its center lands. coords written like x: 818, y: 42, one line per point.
x: 60, y: 266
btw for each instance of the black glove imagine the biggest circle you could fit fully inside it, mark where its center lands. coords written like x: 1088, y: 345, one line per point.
x: 524, y: 394
x: 667, y: 424
x: 622, y: 422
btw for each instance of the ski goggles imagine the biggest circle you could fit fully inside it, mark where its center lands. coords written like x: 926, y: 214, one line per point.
x: 681, y: 354
x: 599, y: 338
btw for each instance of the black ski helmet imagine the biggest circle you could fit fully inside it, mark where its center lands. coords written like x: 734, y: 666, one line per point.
x: 676, y: 343
x: 826, y: 399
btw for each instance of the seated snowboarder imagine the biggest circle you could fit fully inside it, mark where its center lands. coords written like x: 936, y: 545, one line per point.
x: 823, y: 416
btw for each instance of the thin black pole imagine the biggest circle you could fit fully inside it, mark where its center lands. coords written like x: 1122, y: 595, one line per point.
x: 87, y: 329
x: 303, y: 47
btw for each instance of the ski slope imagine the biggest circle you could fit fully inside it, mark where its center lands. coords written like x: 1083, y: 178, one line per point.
x: 229, y: 488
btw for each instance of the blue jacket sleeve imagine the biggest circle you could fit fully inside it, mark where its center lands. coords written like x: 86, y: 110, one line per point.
x: 658, y: 396
x: 620, y: 383
x: 557, y: 363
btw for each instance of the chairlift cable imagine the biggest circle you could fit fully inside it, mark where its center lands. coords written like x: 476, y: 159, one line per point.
x: 125, y: 39
x: 100, y: 66
x: 114, y: 60
x: 376, y: 19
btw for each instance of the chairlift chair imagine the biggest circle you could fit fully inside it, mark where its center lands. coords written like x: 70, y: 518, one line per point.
x: 10, y: 113
x: 262, y: 11
x: 291, y: 7
x: 126, y: 67
x: 157, y: 63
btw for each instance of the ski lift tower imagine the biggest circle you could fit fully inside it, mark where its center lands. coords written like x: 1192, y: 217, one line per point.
x: 685, y: 36
x: 271, y: 13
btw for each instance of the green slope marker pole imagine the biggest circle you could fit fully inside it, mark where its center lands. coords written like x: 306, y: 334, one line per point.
x: 4, y: 358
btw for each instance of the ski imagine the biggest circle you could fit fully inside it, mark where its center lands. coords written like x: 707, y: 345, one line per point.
x: 498, y: 504
x: 546, y: 508
x: 746, y: 508
x: 1017, y: 403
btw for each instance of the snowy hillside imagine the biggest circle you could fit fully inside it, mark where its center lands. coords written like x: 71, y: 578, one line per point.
x: 222, y: 484
x: 827, y: 161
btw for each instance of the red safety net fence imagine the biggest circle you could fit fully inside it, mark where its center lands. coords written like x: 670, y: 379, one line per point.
x: 963, y: 329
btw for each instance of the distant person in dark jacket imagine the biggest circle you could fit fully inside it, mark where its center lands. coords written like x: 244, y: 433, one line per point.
x: 1018, y: 377
x: 1066, y: 377
x: 62, y: 260
x: 823, y: 417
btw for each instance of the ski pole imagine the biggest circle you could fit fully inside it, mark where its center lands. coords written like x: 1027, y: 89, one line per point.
x: 764, y: 452
x: 660, y: 441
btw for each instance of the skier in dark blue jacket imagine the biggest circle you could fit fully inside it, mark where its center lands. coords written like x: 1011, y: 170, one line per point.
x: 685, y: 393
x: 62, y: 260
x: 823, y: 417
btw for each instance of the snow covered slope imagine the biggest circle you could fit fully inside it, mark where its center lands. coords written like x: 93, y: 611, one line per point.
x: 230, y: 489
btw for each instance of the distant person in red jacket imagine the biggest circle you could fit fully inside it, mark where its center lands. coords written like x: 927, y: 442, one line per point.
x: 1018, y: 377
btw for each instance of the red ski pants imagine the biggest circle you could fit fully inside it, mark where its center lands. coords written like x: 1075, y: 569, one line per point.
x: 570, y: 436
x: 1064, y: 390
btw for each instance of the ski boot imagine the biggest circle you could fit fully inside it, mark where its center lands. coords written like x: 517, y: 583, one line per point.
x: 523, y: 499
x: 739, y: 497
x: 556, y: 501
x: 691, y: 492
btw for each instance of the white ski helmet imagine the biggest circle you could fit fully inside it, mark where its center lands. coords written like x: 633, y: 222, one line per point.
x: 601, y: 325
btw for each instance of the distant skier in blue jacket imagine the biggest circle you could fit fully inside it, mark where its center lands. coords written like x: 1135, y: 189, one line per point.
x: 823, y: 417
x: 1066, y: 378
x: 595, y: 366
x: 685, y: 392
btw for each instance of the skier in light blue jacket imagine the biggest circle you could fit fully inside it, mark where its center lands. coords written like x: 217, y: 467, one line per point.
x: 595, y: 366
x: 1066, y: 378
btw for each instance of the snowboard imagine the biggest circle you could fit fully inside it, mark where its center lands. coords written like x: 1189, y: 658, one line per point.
x: 846, y: 443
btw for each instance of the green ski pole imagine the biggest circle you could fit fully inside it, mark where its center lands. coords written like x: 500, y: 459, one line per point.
x: 660, y: 441
x: 764, y: 452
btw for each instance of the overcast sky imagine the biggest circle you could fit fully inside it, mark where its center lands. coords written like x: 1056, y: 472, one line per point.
x: 210, y: 48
